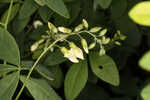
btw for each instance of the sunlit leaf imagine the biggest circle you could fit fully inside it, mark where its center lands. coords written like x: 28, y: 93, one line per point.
x: 140, y: 13
x: 145, y: 61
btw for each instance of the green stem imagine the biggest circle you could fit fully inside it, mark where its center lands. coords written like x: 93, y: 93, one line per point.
x: 9, y: 13
x: 2, y: 24
x: 37, y: 61
x: 34, y: 65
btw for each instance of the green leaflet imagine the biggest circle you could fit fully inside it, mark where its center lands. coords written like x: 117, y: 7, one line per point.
x: 19, y: 24
x: 4, y: 69
x: 42, y: 70
x: 40, y: 90
x: 58, y: 6
x: 104, y: 68
x: 76, y: 79
x: 8, y: 86
x: 145, y: 61
x: 57, y: 76
x: 45, y: 13
x: 140, y: 13
x: 27, y: 9
x: 14, y: 10
x: 9, y: 50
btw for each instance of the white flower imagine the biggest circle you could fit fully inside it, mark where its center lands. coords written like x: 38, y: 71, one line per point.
x: 37, y: 23
x: 69, y: 54
x: 85, y: 45
x: 76, y: 51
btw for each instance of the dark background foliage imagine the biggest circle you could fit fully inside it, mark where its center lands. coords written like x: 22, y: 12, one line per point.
x: 112, y: 14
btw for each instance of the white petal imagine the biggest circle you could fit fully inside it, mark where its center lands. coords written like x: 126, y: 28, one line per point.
x: 77, y: 52
x: 70, y: 55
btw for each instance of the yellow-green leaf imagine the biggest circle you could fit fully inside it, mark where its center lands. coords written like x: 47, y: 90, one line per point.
x: 145, y: 61
x: 140, y: 13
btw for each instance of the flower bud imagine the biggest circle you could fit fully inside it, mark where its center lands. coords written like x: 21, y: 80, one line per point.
x: 122, y: 37
x: 84, y: 45
x: 92, y: 45
x: 34, y: 46
x: 103, y: 32
x: 52, y: 27
x: 64, y: 30
x: 78, y: 28
x: 95, y: 29
x: 85, y: 23
x: 118, y: 43
x: 64, y: 50
x: 102, y: 52
x: 105, y: 40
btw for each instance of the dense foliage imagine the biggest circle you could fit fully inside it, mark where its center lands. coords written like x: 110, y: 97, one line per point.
x: 74, y: 49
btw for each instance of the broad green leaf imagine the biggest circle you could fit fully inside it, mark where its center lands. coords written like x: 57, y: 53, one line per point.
x: 42, y: 70
x: 54, y: 58
x: 145, y: 93
x: 58, y: 76
x: 58, y: 6
x: 145, y: 61
x: 19, y: 24
x: 93, y: 92
x: 9, y: 50
x: 7, y: 68
x: 104, y: 68
x: 14, y: 10
x: 40, y: 90
x: 140, y: 13
x: 45, y: 13
x: 76, y: 79
x: 8, y: 86
x: 27, y: 9
x: 103, y: 3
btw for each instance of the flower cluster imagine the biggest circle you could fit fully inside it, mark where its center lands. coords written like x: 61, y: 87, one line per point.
x: 74, y: 53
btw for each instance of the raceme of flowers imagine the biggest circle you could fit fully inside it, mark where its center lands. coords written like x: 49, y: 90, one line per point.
x: 74, y: 53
